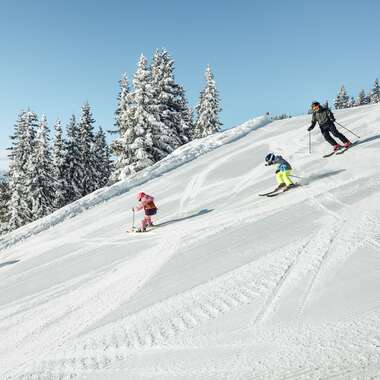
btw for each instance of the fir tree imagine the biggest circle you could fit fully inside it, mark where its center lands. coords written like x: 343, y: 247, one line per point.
x: 375, y: 92
x: 352, y: 102
x: 165, y: 106
x: 123, y: 121
x: 40, y: 181
x: 138, y: 136
x: 342, y: 99
x: 4, y: 203
x: 362, y: 98
x: 208, y: 109
x: 23, y: 141
x: 87, y: 156
x: 102, y: 159
x: 73, y: 168
x: 58, y: 163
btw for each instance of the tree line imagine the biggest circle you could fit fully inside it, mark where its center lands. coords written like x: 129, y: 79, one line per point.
x: 152, y: 119
x: 343, y: 100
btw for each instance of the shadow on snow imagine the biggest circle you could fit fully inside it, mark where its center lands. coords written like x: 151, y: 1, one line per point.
x: 199, y: 213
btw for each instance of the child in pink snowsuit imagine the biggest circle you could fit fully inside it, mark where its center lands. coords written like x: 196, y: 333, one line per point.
x: 146, y: 203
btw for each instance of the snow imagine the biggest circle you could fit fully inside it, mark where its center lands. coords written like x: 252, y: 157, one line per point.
x: 230, y: 286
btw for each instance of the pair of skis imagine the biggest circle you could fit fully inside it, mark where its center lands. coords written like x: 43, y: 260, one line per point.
x: 276, y: 192
x: 339, y: 151
x: 135, y: 230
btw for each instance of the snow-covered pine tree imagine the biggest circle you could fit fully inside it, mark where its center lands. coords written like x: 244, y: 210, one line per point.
x: 342, y: 99
x: 40, y: 183
x: 103, y: 159
x: 4, y: 200
x: 23, y: 140
x: 375, y: 92
x: 208, y: 109
x: 166, y: 134
x: 351, y: 102
x: 170, y: 106
x: 58, y: 164
x: 138, y: 136
x: 73, y: 167
x: 362, y: 98
x: 123, y: 121
x: 87, y: 145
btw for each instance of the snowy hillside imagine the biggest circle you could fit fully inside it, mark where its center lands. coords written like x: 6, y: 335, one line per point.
x: 229, y: 286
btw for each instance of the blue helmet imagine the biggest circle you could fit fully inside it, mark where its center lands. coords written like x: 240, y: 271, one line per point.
x: 270, y: 157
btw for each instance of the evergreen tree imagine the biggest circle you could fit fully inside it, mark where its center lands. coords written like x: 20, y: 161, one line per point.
x: 208, y: 109
x: 87, y: 155
x: 342, y: 99
x: 4, y: 203
x: 59, y: 165
x: 138, y: 137
x: 352, y: 102
x: 123, y: 121
x: 103, y: 160
x: 176, y: 112
x: 375, y: 92
x: 40, y: 183
x: 23, y: 140
x: 362, y: 98
x: 165, y: 106
x: 73, y: 167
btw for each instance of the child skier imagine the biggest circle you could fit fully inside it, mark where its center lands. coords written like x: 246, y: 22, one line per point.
x: 146, y: 203
x: 283, y: 171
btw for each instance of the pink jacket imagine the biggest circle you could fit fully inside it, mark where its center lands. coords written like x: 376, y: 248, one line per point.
x: 147, y: 202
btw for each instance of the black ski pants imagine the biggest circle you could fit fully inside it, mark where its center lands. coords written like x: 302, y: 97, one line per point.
x: 331, y: 128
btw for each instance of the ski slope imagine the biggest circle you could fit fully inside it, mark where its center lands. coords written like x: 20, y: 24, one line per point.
x: 229, y: 286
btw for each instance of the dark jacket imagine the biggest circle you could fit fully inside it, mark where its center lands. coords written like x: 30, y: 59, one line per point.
x: 324, y: 117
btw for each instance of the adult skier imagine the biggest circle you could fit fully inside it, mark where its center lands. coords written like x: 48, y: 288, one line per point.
x: 325, y: 119
x: 283, y: 171
x: 146, y: 203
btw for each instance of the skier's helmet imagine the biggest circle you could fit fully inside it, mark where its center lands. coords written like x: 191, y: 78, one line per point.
x: 270, y: 157
x: 140, y: 195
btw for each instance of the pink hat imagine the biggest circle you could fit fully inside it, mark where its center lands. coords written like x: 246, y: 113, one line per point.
x: 140, y: 195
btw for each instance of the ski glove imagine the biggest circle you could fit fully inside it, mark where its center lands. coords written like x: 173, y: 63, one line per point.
x: 310, y: 128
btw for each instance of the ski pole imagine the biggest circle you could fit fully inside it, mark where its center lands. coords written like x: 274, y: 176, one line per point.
x: 309, y: 142
x: 133, y: 219
x: 295, y: 176
x: 347, y: 129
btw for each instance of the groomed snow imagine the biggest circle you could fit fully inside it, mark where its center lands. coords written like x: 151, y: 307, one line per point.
x: 229, y: 286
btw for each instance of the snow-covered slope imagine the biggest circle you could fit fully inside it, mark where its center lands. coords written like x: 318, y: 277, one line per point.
x: 230, y: 286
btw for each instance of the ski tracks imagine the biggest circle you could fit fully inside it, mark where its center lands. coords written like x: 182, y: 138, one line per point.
x: 103, y: 294
x: 165, y: 323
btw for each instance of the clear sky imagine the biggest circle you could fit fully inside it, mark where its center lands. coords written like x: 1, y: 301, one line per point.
x: 268, y: 55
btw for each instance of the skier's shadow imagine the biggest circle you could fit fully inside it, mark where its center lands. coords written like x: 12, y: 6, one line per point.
x: 199, y: 213
x: 317, y: 176
x: 368, y: 139
x: 8, y: 263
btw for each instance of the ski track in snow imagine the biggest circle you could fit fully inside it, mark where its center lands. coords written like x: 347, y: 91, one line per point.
x: 58, y: 321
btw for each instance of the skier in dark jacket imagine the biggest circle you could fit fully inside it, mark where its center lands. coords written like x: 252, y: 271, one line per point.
x: 325, y: 119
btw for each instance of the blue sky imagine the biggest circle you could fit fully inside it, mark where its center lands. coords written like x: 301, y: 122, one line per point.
x: 269, y: 55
